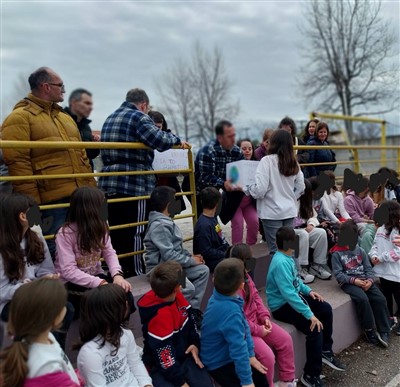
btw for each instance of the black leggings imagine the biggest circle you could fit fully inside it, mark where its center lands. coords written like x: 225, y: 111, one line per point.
x: 390, y: 290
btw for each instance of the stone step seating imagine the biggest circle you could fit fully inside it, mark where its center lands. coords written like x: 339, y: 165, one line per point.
x: 346, y: 328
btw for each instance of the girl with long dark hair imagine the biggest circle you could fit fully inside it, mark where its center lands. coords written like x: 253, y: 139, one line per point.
x: 23, y: 252
x: 82, y: 242
x: 108, y: 354
x: 279, y: 183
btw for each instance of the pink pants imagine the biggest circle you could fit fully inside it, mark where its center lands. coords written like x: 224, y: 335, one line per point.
x: 277, y: 344
x: 246, y: 212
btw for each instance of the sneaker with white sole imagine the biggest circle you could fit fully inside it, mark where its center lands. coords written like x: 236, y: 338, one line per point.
x: 311, y: 381
x: 330, y: 360
x: 383, y: 338
x: 306, y: 277
x: 320, y: 272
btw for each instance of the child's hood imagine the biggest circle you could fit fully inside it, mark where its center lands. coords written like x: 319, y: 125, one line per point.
x: 351, y: 193
x: 149, y: 305
x: 160, y: 217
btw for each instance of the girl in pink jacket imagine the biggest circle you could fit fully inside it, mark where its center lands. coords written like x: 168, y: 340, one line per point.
x: 270, y: 340
x: 82, y: 242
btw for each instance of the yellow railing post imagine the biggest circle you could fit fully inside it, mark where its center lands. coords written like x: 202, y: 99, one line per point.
x: 383, y: 143
x: 356, y: 161
x: 192, y: 186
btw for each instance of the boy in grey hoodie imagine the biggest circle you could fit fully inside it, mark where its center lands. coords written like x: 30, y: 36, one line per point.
x: 164, y: 242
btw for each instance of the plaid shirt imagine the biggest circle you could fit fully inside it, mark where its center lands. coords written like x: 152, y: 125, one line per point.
x: 128, y: 124
x: 210, y: 164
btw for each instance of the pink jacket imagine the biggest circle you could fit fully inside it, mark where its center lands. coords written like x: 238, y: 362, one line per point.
x: 54, y: 379
x: 357, y: 207
x: 81, y: 269
x: 255, y: 311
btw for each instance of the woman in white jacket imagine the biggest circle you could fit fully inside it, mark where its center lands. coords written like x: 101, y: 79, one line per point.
x: 279, y: 183
x: 310, y: 236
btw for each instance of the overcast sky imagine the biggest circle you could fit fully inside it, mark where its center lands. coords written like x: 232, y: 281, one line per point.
x: 110, y: 47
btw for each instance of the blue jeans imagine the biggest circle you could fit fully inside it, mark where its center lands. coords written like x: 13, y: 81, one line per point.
x: 271, y: 226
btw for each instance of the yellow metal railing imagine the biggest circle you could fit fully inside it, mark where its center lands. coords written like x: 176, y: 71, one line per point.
x: 355, y: 164
x: 105, y: 145
x: 359, y: 119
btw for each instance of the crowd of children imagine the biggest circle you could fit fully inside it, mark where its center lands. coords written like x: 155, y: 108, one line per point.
x: 235, y: 342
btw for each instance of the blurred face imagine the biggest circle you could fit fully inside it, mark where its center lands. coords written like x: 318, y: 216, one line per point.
x: 227, y: 140
x: 83, y: 107
x: 322, y: 134
x: 312, y: 128
x: 158, y: 124
x: 247, y: 149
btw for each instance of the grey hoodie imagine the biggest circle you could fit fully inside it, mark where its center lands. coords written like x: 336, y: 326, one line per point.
x: 163, y: 242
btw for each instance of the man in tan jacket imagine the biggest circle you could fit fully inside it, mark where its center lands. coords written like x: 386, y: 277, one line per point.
x: 38, y: 117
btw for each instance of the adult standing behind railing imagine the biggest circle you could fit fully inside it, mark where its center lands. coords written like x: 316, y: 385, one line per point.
x: 38, y: 117
x: 322, y: 155
x: 130, y: 123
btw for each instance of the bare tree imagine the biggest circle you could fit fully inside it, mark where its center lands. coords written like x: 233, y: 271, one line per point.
x: 366, y: 130
x: 196, y: 94
x: 348, y: 48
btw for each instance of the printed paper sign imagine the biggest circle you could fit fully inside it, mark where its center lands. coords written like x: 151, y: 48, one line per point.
x: 242, y: 172
x: 171, y: 159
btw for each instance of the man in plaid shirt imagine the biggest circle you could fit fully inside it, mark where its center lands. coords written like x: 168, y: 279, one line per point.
x: 130, y: 123
x: 211, y: 160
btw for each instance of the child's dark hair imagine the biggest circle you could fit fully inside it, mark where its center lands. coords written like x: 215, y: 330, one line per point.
x: 284, y: 235
x: 209, y: 197
x: 11, y: 235
x: 314, y: 183
x: 228, y: 276
x: 85, y: 209
x: 348, y: 234
x: 332, y: 177
x: 161, y: 197
x: 281, y: 144
x: 158, y: 118
x: 306, y: 210
x: 394, y: 215
x: 348, y: 225
x: 103, y: 312
x: 33, y: 310
x: 243, y: 252
x: 165, y: 278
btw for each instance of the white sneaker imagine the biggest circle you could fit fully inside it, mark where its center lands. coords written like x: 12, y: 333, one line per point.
x: 320, y: 272
x: 306, y: 276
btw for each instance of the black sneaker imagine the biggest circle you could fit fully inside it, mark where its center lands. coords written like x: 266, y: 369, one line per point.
x: 311, y: 381
x: 383, y: 338
x: 396, y: 329
x: 329, y: 359
x: 371, y: 337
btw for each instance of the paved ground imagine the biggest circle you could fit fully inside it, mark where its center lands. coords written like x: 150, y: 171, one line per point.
x: 368, y: 366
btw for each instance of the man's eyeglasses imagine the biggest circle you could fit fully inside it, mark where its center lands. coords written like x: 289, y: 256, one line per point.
x: 61, y: 85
